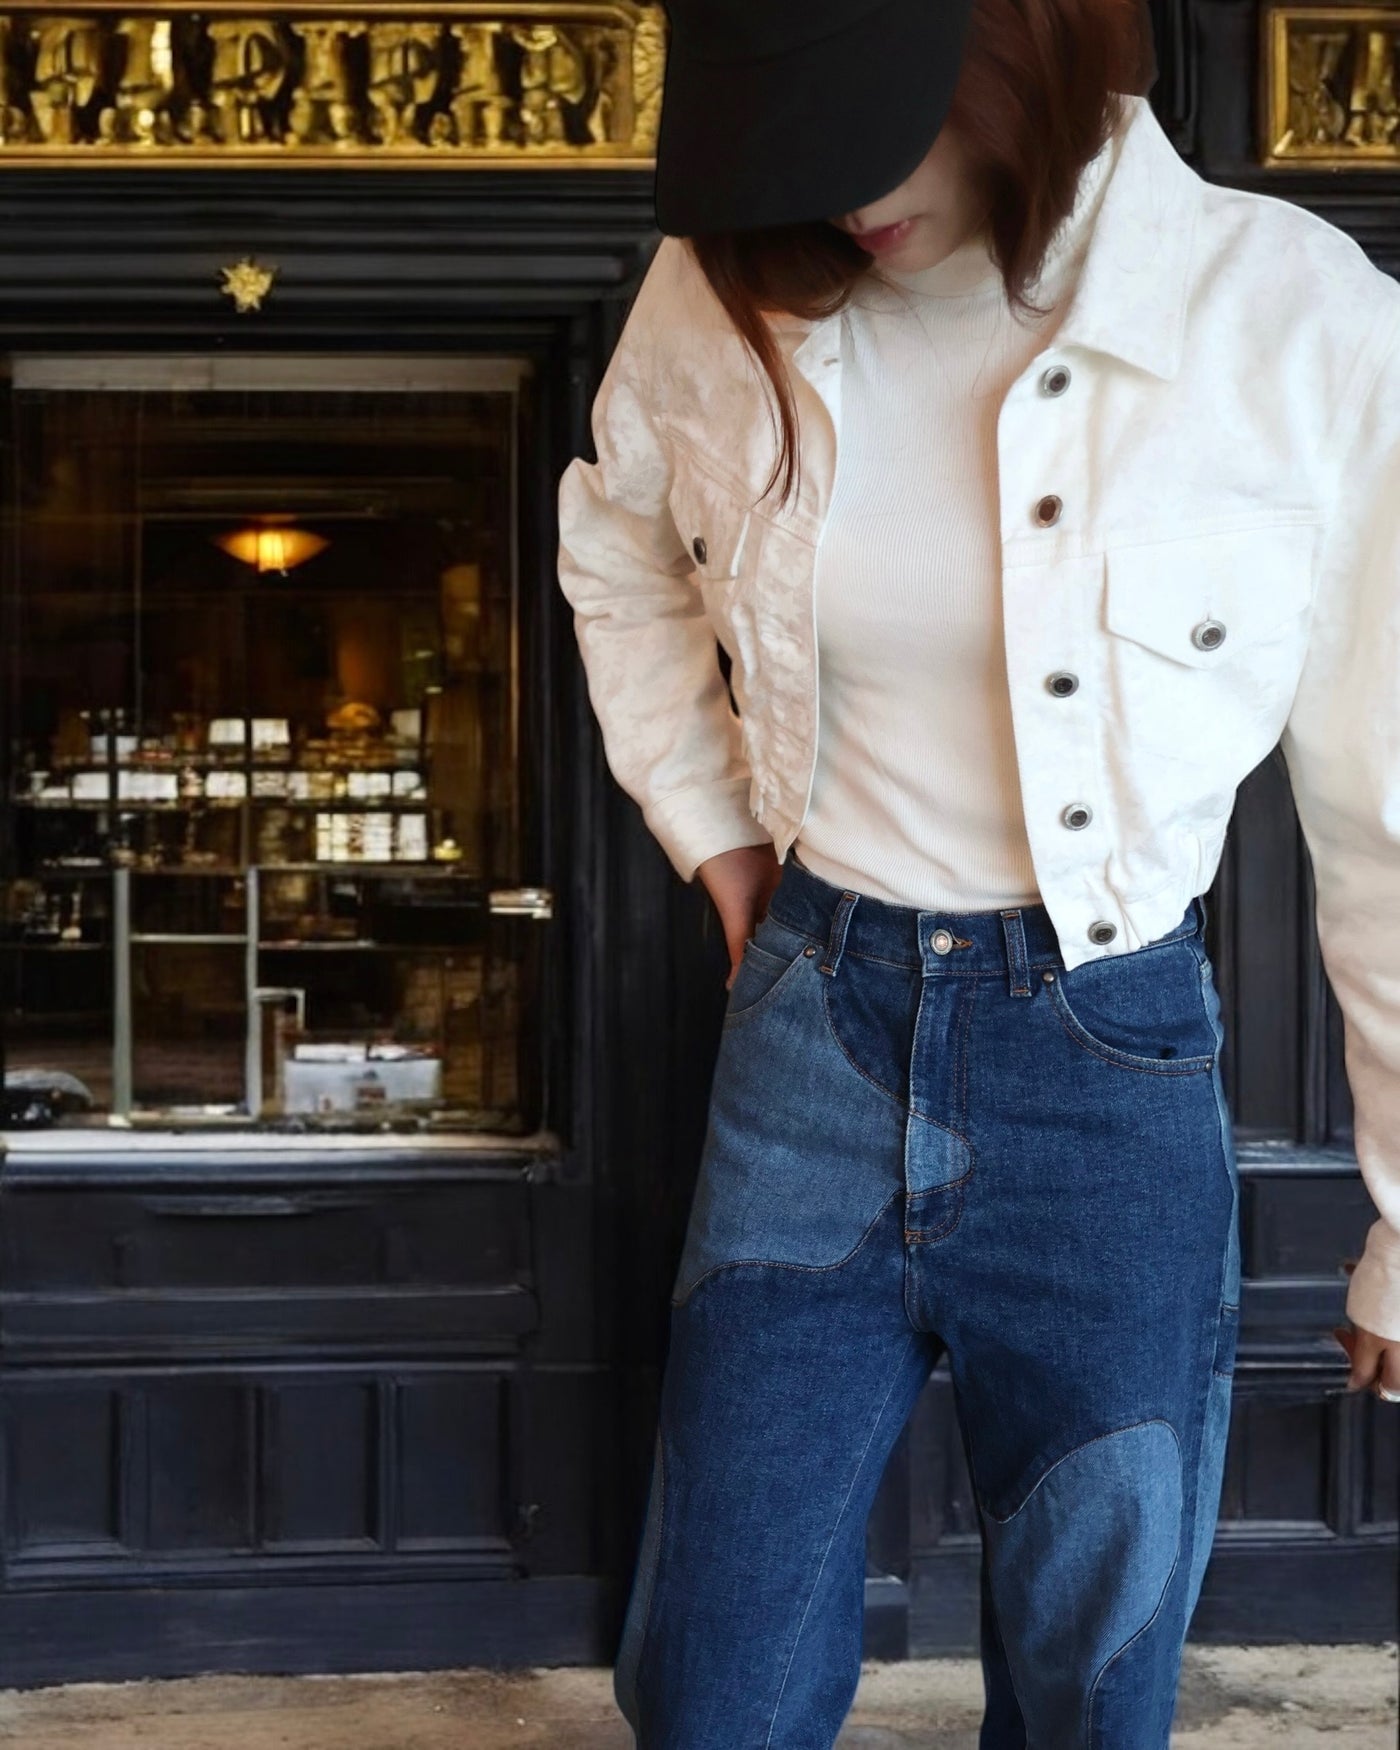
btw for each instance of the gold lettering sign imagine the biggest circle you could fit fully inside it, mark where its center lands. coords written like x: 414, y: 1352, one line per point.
x: 1331, y: 86
x: 572, y: 83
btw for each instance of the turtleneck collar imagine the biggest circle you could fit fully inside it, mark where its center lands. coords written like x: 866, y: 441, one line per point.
x: 969, y: 269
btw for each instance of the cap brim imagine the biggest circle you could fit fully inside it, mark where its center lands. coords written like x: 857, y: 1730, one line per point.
x: 810, y: 134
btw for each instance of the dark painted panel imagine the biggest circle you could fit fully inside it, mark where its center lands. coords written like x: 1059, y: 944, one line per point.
x: 568, y: 1468
x: 70, y: 1505
x: 408, y: 1625
x: 232, y: 1235
x: 1306, y: 1226
x: 200, y: 1456
x: 1379, y: 1506
x: 452, y: 1457
x: 54, y: 1327
x: 1275, y: 1466
x: 319, y: 1465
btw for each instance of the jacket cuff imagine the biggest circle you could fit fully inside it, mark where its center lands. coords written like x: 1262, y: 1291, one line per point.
x: 1373, y: 1297
x: 703, y: 820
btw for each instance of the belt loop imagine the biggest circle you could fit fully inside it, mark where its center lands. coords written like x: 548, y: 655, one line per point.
x: 1016, y: 958
x: 836, y: 941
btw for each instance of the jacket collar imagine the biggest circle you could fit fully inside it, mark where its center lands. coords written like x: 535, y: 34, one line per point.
x: 1130, y: 297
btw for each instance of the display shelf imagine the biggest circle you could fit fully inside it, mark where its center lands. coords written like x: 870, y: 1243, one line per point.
x: 29, y: 946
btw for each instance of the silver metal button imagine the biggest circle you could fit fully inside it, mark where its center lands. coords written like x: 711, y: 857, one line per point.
x: 1047, y: 510
x: 1209, y: 635
x: 1077, y: 814
x: 699, y: 549
x: 1102, y: 931
x: 1062, y: 684
x: 1055, y: 381
x: 941, y: 941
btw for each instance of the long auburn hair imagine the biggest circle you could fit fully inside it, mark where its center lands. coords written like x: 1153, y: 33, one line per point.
x: 1038, y: 96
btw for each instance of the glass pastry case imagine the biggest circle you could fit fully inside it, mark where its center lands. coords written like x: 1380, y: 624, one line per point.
x: 265, y: 857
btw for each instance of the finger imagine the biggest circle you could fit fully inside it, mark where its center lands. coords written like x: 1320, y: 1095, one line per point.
x: 1365, y: 1360
x: 1388, y: 1377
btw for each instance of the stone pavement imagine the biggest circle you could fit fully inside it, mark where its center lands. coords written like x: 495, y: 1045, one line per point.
x: 1231, y: 1698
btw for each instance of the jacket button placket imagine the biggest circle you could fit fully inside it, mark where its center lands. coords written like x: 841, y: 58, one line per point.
x: 1077, y: 815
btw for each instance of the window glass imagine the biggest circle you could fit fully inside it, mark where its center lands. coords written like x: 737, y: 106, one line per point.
x: 262, y: 766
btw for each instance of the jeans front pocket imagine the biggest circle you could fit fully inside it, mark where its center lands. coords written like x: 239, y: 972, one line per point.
x: 770, y: 955
x: 1143, y: 1010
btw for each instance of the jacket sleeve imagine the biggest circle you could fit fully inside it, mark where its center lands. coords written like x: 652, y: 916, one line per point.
x: 670, y: 734
x: 1341, y: 746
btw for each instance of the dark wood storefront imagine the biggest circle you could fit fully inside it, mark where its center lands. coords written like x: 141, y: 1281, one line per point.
x: 338, y: 1393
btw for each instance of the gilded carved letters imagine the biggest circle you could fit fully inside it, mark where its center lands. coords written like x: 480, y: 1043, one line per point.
x: 1332, y: 86
x: 110, y: 82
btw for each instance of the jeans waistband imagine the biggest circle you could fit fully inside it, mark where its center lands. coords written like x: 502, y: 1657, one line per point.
x: 1012, y: 939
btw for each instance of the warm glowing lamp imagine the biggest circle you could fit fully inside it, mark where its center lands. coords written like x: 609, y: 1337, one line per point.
x: 272, y: 546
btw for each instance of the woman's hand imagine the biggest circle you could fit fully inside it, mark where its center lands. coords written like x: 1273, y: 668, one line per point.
x: 1375, y: 1360
x: 740, y: 882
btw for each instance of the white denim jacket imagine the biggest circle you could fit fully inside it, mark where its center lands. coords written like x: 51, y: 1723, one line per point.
x: 1200, y: 520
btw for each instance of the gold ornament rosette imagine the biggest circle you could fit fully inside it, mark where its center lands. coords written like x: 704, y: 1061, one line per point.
x: 1331, y: 87
x: 216, y: 84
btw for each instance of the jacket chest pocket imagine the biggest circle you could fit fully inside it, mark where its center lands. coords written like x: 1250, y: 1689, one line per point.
x: 1206, y: 639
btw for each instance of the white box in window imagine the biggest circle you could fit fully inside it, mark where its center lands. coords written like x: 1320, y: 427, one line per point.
x: 90, y: 786
x: 149, y: 786
x: 412, y: 844
x: 365, y: 785
x: 269, y: 733
x: 322, y: 1087
x: 226, y: 786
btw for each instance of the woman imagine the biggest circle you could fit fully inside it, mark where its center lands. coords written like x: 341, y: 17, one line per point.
x: 1086, y: 559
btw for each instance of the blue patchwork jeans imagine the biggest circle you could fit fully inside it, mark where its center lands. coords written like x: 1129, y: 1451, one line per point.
x: 927, y: 1137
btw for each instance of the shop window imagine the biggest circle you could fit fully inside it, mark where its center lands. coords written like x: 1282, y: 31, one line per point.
x: 267, y: 812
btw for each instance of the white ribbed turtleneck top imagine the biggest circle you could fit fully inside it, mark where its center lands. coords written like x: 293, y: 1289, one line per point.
x: 916, y: 797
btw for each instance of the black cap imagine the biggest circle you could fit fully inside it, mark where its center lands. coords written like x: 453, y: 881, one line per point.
x: 778, y: 111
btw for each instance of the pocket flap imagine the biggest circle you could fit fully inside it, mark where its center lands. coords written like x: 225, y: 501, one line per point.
x: 1248, y: 582
x: 711, y: 518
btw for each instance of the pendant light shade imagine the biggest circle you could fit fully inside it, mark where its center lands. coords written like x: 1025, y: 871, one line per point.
x: 272, y: 546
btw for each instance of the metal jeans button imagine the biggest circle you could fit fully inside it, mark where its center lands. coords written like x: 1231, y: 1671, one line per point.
x: 1047, y: 510
x: 1102, y: 931
x: 941, y: 941
x: 1077, y: 814
x: 1062, y: 684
